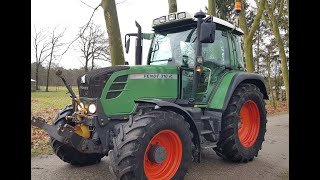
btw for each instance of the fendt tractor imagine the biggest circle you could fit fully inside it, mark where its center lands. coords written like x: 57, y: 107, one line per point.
x: 153, y: 120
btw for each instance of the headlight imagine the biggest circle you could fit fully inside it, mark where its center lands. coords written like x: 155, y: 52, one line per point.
x: 80, y: 106
x: 92, y: 108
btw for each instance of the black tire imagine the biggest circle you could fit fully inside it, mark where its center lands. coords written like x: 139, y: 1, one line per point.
x: 229, y: 146
x: 68, y: 153
x: 127, y: 157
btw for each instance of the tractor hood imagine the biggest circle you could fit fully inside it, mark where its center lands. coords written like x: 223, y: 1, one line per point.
x: 118, y: 87
x: 138, y: 82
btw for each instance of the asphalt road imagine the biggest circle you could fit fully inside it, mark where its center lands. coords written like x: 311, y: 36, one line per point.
x: 271, y: 163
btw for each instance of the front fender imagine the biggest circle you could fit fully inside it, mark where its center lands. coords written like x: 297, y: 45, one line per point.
x: 178, y: 109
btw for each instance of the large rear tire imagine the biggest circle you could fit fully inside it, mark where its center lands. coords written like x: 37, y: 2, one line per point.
x: 243, y: 125
x: 68, y: 153
x: 131, y: 159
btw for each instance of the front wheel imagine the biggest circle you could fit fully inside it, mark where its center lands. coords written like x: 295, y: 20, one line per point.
x: 155, y: 146
x: 68, y: 153
x: 243, y: 125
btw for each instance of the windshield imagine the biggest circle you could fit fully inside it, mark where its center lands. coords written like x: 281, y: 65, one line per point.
x: 180, y: 49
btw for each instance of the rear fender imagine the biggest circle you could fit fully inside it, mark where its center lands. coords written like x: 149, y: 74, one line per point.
x: 244, y: 77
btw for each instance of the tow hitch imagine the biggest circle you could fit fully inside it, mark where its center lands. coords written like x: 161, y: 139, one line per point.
x: 65, y: 134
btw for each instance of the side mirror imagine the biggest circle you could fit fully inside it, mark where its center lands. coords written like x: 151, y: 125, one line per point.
x: 207, y: 32
x: 127, y: 45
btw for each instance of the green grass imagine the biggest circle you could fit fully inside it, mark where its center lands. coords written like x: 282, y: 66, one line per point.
x: 52, y: 99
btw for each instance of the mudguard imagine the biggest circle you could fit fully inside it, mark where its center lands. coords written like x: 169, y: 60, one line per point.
x: 178, y: 109
x: 244, y: 77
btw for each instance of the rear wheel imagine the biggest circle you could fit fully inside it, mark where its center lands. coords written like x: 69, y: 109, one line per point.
x: 243, y: 125
x: 155, y: 146
x: 68, y: 153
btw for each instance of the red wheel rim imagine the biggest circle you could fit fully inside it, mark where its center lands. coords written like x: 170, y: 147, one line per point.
x: 167, y: 169
x: 249, y: 125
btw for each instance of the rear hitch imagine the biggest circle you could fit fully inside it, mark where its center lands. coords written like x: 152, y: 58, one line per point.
x: 65, y: 134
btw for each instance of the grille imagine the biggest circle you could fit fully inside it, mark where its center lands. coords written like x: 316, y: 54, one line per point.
x: 95, y: 81
x: 117, y: 88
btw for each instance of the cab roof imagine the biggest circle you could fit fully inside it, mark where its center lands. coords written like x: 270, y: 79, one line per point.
x: 185, y: 18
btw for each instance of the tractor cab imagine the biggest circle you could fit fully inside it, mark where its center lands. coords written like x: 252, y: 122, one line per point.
x: 174, y: 43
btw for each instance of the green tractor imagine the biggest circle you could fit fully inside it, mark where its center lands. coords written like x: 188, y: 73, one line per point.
x: 153, y: 120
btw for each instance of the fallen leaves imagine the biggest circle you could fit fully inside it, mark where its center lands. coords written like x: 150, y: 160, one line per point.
x: 280, y: 107
x: 39, y: 138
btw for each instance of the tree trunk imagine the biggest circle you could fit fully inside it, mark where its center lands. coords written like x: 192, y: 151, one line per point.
x: 212, y: 10
x: 92, y: 64
x: 112, y: 24
x: 49, y: 66
x: 223, y: 13
x: 248, y: 35
x: 248, y: 55
x: 37, y: 76
x: 48, y: 75
x: 258, y: 55
x: 270, y: 84
x: 276, y: 83
x: 284, y: 67
x: 172, y: 6
x: 86, y: 65
x: 288, y: 9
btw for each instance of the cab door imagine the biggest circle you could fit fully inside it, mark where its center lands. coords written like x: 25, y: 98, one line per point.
x: 216, y: 65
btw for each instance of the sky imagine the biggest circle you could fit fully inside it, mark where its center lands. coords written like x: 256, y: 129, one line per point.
x: 74, y: 14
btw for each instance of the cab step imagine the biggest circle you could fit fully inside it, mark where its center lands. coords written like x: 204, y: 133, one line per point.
x: 205, y: 117
x: 208, y: 145
x: 206, y: 132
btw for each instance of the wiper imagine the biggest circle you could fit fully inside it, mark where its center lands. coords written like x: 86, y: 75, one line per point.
x: 169, y: 59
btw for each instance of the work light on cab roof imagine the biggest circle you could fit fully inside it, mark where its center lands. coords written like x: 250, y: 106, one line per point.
x: 178, y: 16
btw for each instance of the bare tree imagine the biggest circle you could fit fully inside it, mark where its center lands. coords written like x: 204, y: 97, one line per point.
x: 93, y: 45
x: 41, y: 47
x: 55, y: 43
